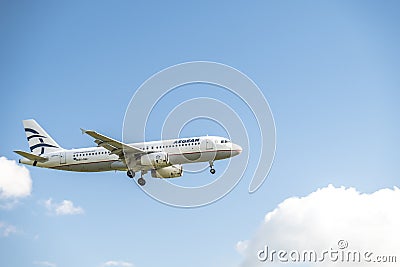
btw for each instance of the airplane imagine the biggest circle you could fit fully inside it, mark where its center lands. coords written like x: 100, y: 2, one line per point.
x: 163, y: 159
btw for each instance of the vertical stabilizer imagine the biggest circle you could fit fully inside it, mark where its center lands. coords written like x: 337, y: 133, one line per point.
x: 39, y: 140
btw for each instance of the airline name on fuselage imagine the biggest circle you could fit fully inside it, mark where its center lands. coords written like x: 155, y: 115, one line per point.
x: 186, y: 140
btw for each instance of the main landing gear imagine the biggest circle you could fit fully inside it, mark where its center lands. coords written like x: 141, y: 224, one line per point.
x: 130, y: 174
x: 141, y: 180
x: 212, y: 170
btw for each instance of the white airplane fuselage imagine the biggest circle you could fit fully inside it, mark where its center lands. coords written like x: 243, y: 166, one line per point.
x: 163, y: 158
x: 179, y: 151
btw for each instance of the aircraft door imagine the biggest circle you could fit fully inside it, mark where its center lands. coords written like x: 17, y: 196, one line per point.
x: 209, y: 144
x: 63, y: 158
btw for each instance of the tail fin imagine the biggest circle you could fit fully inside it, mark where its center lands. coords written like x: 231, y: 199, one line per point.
x: 39, y: 140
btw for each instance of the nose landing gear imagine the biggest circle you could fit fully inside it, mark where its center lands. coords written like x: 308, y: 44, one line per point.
x: 212, y: 170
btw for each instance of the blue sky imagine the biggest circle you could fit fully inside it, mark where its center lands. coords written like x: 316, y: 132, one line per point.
x: 329, y: 70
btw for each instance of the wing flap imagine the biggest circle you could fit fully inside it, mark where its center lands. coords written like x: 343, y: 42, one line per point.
x: 116, y: 147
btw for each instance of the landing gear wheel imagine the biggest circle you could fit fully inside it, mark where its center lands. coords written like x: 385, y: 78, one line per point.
x: 130, y: 174
x: 141, y: 181
x: 212, y: 170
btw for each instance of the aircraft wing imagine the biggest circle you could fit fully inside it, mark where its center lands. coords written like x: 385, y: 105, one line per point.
x: 116, y: 147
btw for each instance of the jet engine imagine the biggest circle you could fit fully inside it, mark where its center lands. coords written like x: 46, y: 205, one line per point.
x: 157, y: 160
x: 168, y: 172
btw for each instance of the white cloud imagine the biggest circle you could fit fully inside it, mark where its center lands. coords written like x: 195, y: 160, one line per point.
x: 8, y: 204
x: 367, y: 222
x: 241, y: 246
x: 45, y: 263
x: 15, y: 180
x: 118, y: 264
x: 7, y: 229
x: 66, y: 207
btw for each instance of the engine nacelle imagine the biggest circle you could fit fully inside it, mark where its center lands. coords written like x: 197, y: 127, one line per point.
x: 168, y: 172
x: 118, y: 166
x: 157, y: 160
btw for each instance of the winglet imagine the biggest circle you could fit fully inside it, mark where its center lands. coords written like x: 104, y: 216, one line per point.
x: 83, y: 131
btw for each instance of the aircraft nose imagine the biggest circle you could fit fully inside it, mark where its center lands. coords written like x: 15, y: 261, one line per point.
x: 239, y: 149
x: 236, y: 150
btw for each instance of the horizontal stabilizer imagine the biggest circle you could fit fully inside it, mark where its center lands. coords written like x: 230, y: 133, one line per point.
x: 31, y: 156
